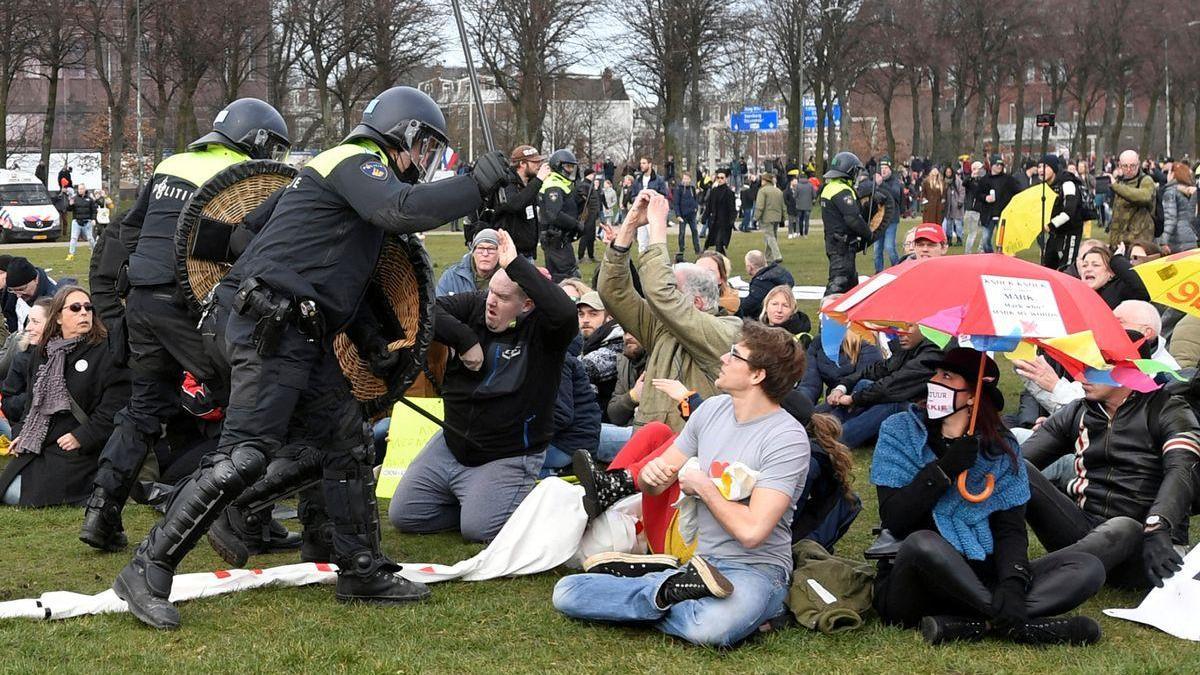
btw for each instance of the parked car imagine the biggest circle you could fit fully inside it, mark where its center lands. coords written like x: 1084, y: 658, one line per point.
x: 26, y: 212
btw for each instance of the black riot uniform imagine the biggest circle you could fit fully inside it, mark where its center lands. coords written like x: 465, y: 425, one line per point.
x: 299, y: 283
x: 162, y: 336
x: 558, y: 215
x: 1065, y: 222
x: 846, y: 229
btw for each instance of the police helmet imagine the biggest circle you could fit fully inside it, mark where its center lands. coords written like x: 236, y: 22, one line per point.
x: 844, y: 165
x: 406, y: 119
x: 250, y: 126
x: 560, y: 157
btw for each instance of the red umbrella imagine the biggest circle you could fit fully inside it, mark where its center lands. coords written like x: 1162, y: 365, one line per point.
x: 989, y: 296
x: 986, y: 294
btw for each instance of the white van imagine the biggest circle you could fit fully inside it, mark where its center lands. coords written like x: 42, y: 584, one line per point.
x: 26, y: 212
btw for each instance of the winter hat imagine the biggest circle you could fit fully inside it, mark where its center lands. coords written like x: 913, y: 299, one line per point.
x: 1053, y: 162
x: 20, y: 272
x: 4, y: 260
x: 486, y: 236
x: 964, y: 361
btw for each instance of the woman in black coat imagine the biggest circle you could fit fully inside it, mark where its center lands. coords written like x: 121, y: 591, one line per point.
x: 1111, y: 275
x: 63, y: 431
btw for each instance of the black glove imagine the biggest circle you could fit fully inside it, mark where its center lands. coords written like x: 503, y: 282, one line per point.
x: 490, y: 172
x: 1159, y: 556
x: 1008, y: 604
x: 384, y: 363
x: 960, y: 456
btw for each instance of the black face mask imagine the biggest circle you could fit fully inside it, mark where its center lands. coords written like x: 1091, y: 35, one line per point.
x: 410, y: 175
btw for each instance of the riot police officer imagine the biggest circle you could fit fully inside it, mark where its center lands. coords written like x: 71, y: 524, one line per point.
x: 300, y: 282
x: 846, y: 228
x: 558, y: 214
x: 162, y: 336
x: 1065, y: 224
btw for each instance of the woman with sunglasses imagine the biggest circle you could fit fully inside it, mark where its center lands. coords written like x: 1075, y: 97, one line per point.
x: 76, y: 388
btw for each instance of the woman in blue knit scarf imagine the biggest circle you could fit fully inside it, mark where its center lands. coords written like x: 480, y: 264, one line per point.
x: 956, y: 503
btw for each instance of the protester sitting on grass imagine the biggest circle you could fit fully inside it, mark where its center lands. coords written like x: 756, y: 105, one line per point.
x: 764, y: 276
x: 738, y: 578
x: 603, y: 342
x: 1111, y: 276
x: 476, y: 268
x: 76, y: 386
x: 865, y: 398
x: 1130, y: 483
x: 18, y: 350
x: 631, y: 368
x: 855, y: 355
x: 675, y: 319
x: 718, y: 265
x: 962, y: 570
x: 28, y: 284
x: 498, y: 395
x: 779, y: 310
x: 576, y: 414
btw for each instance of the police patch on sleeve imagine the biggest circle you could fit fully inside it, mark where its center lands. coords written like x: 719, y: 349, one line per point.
x: 373, y: 168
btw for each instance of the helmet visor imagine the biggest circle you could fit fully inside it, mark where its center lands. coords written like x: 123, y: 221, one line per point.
x: 426, y: 149
x: 269, y: 145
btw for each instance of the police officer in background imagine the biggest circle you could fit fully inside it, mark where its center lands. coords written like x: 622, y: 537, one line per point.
x: 162, y: 335
x: 558, y: 214
x: 298, y: 284
x: 1065, y: 226
x: 517, y: 214
x: 846, y: 229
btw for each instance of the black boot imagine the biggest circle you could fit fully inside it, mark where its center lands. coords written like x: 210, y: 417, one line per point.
x: 246, y: 527
x: 316, y: 544
x: 1061, y: 630
x: 364, y: 573
x: 236, y: 535
x: 629, y: 564
x: 145, y: 583
x: 601, y: 489
x: 102, y: 528
x: 696, y: 580
x: 942, y: 629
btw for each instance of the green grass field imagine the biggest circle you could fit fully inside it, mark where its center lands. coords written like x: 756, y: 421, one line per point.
x: 494, y: 626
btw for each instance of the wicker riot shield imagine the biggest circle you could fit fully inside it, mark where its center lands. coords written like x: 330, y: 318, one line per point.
x: 226, y: 197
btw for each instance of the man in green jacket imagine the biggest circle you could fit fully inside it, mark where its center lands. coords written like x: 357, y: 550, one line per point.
x: 676, y: 321
x: 771, y: 210
x: 1134, y: 194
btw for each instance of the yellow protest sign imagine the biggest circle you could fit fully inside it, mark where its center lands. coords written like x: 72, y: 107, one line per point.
x: 407, y: 434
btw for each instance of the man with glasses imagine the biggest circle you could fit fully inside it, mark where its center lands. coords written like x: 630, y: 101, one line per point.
x: 476, y: 268
x: 1134, y: 201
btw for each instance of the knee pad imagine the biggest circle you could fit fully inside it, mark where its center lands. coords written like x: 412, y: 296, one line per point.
x: 242, y: 467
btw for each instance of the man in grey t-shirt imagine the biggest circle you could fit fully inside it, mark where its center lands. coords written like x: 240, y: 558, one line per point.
x: 738, y: 578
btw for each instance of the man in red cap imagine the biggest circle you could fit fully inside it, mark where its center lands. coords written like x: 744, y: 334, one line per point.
x: 929, y: 241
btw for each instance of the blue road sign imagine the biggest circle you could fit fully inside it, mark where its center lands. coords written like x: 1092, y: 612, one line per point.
x: 754, y: 119
x: 810, y: 116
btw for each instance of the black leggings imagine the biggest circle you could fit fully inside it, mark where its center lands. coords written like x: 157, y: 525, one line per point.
x: 930, y: 577
x: 1062, y: 526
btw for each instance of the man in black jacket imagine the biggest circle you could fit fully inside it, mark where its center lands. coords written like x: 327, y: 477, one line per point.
x: 517, y: 215
x: 499, y: 400
x: 83, y: 219
x: 720, y: 210
x: 764, y: 276
x: 865, y: 400
x: 1134, y: 483
x: 1065, y: 220
x: 996, y: 191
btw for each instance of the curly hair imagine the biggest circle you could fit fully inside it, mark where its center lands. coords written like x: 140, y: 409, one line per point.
x: 775, y: 352
x: 826, y: 430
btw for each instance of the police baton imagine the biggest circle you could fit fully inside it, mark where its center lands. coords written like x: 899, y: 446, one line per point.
x: 484, y: 125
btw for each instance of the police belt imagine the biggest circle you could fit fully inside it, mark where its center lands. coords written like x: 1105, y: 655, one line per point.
x: 275, y: 312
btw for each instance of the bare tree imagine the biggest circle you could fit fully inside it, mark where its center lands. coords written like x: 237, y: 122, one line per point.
x: 112, y: 28
x: 16, y: 47
x: 784, y: 29
x: 328, y: 33
x: 159, y: 69
x: 678, y: 42
x: 243, y: 31
x: 58, y: 43
x: 193, y: 44
x: 522, y: 46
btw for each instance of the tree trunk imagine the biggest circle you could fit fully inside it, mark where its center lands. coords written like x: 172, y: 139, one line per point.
x: 887, y: 128
x: 846, y: 129
x: 1019, y: 120
x: 185, y: 115
x: 996, y: 103
x: 935, y: 115
x: 795, y: 119
x: 981, y: 107
x: 4, y: 89
x: 914, y: 93
x: 819, y: 104
x: 1119, y: 119
x: 1147, y: 128
x: 956, y: 119
x: 116, y: 147
x: 51, y: 109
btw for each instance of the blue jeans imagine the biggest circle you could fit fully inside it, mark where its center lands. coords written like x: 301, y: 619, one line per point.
x: 379, y: 438
x: 759, y: 592
x: 555, y: 459
x: 989, y: 228
x: 612, y: 439
x: 802, y: 218
x: 888, y: 242
x: 746, y: 219
x: 861, y: 425
x: 84, y: 227
x: 953, y: 227
x: 686, y: 220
